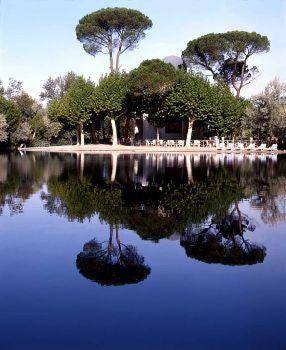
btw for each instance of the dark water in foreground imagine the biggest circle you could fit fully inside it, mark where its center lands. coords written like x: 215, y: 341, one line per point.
x: 142, y: 252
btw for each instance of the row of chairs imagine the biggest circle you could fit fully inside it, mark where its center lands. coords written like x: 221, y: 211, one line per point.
x: 240, y: 147
x: 165, y: 143
x: 223, y: 146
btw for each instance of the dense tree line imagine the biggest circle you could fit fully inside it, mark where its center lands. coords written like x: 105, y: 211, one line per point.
x: 73, y: 109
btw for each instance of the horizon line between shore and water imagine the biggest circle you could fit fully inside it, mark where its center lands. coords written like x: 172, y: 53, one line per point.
x: 142, y: 149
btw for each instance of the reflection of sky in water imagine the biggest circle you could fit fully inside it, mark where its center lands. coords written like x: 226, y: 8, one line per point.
x: 183, y: 303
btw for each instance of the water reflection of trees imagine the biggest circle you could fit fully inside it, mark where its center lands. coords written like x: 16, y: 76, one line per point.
x: 112, y: 262
x: 156, y: 196
x: 22, y: 176
x: 221, y: 240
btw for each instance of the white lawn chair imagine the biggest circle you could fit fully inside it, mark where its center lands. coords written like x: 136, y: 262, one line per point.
x: 239, y: 147
x: 160, y: 143
x: 172, y: 143
x: 153, y: 142
x: 273, y: 148
x: 197, y: 143
x: 147, y: 143
x: 181, y: 143
x: 251, y: 147
x: 230, y: 147
x: 221, y: 146
x: 262, y: 147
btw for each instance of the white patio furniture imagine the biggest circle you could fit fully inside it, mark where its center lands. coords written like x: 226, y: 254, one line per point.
x: 160, y: 143
x: 230, y: 147
x: 153, y: 142
x: 274, y: 147
x: 197, y: 143
x: 147, y: 143
x: 251, y: 147
x: 172, y: 143
x: 181, y: 143
x: 221, y: 146
x: 262, y: 147
x: 239, y: 146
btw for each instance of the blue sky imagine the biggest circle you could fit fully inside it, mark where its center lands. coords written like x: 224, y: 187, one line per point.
x: 37, y: 37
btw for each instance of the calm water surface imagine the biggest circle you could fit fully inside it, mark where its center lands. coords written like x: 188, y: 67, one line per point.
x: 142, y: 251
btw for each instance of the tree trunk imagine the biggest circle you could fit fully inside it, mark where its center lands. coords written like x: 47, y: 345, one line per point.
x: 189, y: 168
x: 114, y: 157
x: 80, y: 164
x: 158, y: 134
x: 114, y: 133
x: 190, y: 131
x: 117, y: 59
x: 110, y: 56
x: 80, y: 134
x: 117, y: 238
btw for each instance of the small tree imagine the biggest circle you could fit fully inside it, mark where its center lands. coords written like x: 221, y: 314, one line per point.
x: 150, y: 84
x: 23, y: 133
x: 11, y: 113
x: 112, y: 31
x: 226, y: 56
x: 3, y: 129
x: 227, y: 112
x: 14, y: 89
x: 266, y: 118
x: 73, y: 107
x: 108, y: 99
x: 55, y: 88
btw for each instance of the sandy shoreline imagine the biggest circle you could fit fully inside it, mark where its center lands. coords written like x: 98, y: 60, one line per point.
x: 101, y: 148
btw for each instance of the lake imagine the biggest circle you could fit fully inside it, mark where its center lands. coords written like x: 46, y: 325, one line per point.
x: 142, y: 251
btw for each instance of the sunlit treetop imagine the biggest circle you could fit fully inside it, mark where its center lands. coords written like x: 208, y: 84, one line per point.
x: 226, y: 55
x: 112, y: 31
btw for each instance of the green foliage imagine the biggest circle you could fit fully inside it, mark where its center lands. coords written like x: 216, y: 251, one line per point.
x: 195, y: 98
x: 266, y: 117
x: 226, y: 56
x: 11, y: 113
x: 191, y: 98
x: 3, y: 129
x: 108, y: 98
x: 150, y: 84
x: 73, y: 107
x: 54, y: 89
x: 111, y: 29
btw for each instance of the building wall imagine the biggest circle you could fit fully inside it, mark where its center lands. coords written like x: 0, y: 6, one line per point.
x: 149, y: 132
